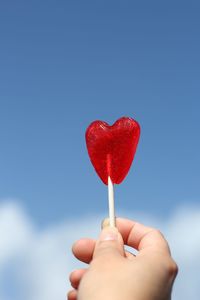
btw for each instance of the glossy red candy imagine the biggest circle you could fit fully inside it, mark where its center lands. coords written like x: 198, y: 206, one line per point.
x: 112, y: 148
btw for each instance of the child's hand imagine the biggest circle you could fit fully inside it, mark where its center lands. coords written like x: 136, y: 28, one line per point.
x: 115, y: 274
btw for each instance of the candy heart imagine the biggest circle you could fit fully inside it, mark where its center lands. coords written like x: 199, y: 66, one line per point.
x: 112, y: 148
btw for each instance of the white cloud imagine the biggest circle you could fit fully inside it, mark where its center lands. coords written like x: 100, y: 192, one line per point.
x: 183, y: 232
x: 35, y: 264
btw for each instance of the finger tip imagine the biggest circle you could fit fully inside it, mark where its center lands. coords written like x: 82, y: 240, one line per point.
x: 74, y: 278
x: 77, y: 246
x: 72, y: 295
x: 74, y: 247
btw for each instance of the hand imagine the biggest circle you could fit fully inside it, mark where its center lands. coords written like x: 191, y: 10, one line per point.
x: 116, y: 274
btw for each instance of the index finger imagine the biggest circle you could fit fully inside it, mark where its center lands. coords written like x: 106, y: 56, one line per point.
x: 141, y: 237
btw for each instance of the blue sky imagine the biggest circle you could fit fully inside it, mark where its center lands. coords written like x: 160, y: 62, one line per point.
x: 64, y: 64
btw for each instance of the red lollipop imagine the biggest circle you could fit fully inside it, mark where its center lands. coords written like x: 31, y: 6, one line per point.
x: 111, y: 150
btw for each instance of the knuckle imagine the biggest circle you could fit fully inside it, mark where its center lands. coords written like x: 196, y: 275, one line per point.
x: 158, y: 232
x: 105, y: 254
x: 105, y: 249
x: 107, y: 245
x: 71, y: 276
x: 172, y: 268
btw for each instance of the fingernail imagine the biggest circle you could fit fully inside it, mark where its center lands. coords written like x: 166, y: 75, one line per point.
x: 105, y: 223
x: 109, y: 234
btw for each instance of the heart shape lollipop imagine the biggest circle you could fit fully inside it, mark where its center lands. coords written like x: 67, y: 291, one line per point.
x: 112, y: 148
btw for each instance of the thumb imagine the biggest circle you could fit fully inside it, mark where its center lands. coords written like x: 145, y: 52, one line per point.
x: 110, y: 244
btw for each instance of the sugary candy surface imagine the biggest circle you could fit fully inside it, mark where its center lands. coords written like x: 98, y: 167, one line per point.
x: 112, y: 148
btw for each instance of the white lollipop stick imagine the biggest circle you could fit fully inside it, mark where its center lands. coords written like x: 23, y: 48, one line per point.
x: 111, y: 202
